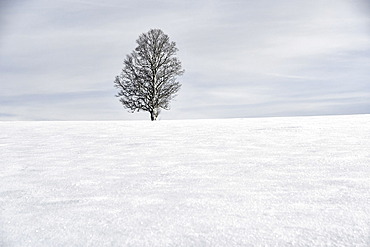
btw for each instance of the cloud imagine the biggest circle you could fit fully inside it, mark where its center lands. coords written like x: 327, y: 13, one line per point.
x: 242, y: 58
x: 64, y: 106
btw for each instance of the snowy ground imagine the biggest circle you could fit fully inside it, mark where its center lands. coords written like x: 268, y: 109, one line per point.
x: 301, y: 181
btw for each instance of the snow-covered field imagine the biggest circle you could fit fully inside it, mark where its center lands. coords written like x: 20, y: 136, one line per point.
x: 301, y: 181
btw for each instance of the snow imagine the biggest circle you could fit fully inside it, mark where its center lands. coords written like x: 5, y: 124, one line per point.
x: 299, y: 181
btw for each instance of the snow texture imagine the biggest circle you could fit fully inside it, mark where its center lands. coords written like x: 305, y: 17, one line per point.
x: 302, y: 181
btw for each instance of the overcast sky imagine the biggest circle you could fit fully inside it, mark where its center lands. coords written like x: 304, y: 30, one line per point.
x: 242, y: 58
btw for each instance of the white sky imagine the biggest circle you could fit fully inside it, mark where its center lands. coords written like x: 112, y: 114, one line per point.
x: 246, y: 58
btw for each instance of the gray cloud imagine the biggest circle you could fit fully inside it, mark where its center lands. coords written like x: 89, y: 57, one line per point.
x: 242, y: 58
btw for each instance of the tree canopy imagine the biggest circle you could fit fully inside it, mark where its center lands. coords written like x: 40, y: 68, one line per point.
x: 148, y: 81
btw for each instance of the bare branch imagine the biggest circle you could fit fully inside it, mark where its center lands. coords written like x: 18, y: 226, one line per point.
x: 148, y: 81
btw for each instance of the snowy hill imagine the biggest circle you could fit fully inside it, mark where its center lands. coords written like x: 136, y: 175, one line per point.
x: 301, y: 181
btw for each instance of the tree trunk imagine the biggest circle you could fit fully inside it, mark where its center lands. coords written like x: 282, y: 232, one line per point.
x: 153, y: 116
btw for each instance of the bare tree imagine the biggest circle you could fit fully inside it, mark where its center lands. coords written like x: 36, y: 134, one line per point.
x: 148, y: 81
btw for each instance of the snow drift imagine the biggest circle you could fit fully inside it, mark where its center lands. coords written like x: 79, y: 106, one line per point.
x: 302, y: 181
